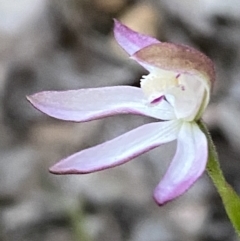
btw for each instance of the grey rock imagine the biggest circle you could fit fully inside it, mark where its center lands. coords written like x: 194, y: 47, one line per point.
x: 17, y: 173
x: 203, y: 16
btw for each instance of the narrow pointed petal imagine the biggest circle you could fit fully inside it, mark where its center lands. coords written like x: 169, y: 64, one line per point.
x: 187, y: 165
x: 119, y: 150
x: 130, y: 40
x: 90, y: 104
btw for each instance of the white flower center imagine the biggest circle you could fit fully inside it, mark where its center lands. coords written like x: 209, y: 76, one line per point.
x: 156, y: 83
x: 184, y: 92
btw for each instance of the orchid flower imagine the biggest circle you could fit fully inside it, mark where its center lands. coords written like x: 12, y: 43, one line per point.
x: 175, y: 93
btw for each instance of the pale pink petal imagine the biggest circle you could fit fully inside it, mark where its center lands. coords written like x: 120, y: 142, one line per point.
x: 130, y: 40
x: 119, y: 150
x: 90, y: 104
x: 187, y: 165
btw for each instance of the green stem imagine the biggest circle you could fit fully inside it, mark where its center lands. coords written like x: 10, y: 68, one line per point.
x: 77, y: 224
x: 230, y: 198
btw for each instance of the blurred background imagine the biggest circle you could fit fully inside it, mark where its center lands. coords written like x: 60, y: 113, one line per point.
x: 68, y: 44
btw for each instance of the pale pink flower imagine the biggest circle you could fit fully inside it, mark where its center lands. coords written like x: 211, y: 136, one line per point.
x: 176, y: 91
